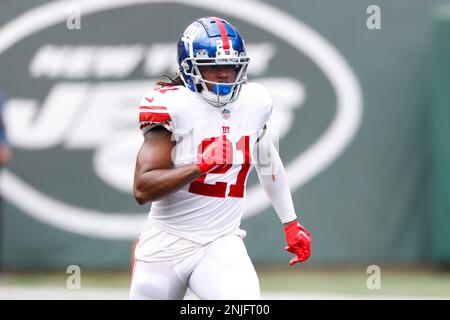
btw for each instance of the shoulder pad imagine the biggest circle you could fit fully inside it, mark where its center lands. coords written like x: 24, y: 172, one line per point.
x: 158, y: 108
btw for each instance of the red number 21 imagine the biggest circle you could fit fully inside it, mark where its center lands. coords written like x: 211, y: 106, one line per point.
x: 219, y: 188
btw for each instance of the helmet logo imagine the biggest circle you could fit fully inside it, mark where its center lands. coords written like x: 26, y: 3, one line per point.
x: 190, y: 33
x: 221, y: 52
x: 189, y: 36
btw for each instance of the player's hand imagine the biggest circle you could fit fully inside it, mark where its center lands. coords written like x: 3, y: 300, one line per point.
x: 298, y: 242
x: 216, y: 154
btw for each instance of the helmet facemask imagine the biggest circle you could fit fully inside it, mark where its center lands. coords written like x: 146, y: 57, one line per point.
x: 221, y: 93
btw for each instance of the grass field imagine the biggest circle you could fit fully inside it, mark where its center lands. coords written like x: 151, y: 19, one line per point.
x: 282, y: 284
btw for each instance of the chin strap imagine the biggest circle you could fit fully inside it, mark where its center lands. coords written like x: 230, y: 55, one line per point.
x: 222, y: 89
x: 216, y: 99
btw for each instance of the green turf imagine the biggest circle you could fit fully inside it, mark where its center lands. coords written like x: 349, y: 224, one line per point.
x: 393, y: 283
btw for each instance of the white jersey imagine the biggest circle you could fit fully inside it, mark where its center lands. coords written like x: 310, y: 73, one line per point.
x: 212, y: 205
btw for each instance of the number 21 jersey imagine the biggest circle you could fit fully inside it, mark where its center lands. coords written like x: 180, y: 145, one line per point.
x: 212, y: 205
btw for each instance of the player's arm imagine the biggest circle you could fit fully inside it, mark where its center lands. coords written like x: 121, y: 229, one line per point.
x: 273, y: 179
x: 154, y: 175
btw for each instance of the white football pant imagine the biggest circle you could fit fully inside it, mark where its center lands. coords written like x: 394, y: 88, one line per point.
x: 220, y: 270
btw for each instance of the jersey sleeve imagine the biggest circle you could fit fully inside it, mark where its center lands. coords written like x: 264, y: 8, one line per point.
x: 155, y: 110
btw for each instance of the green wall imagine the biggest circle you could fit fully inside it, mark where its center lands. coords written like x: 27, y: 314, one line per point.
x: 372, y: 203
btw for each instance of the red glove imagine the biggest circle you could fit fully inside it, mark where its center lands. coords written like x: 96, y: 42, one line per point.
x: 299, y: 242
x: 216, y: 154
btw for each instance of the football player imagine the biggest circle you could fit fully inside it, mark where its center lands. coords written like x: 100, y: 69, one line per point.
x: 204, y: 131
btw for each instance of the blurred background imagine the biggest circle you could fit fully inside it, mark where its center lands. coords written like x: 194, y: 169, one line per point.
x: 361, y: 95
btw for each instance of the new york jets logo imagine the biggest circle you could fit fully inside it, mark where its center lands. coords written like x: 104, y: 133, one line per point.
x: 73, y: 118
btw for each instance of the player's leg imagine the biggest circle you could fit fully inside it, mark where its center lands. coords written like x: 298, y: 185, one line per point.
x: 156, y: 281
x: 225, y: 272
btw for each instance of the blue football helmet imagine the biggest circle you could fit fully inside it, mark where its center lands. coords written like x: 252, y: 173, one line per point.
x: 212, y: 41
